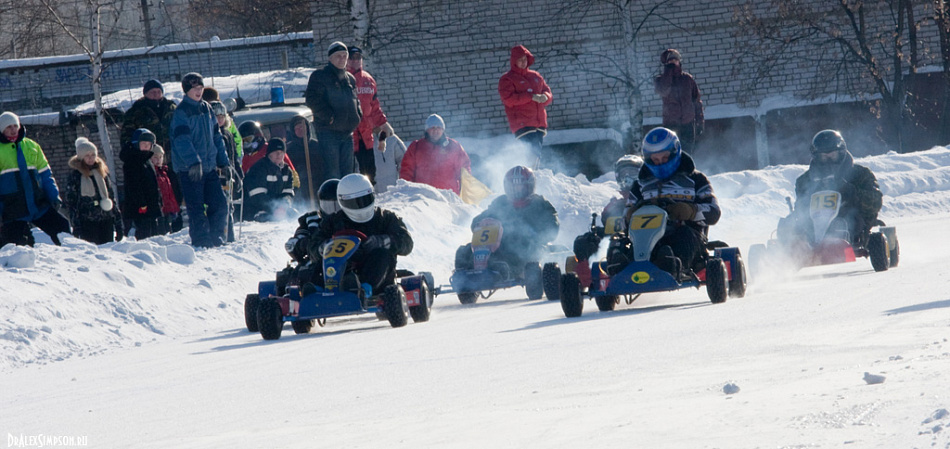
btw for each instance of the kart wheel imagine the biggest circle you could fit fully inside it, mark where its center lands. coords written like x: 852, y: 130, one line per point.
x: 877, y: 251
x: 738, y: 282
x: 572, y: 303
x: 302, y: 326
x: 757, y: 254
x: 468, y: 297
x: 394, y: 305
x: 251, y: 303
x: 270, y: 319
x: 895, y: 254
x: 420, y: 313
x: 533, y: 282
x: 716, y: 280
x: 606, y: 303
x: 551, y: 278
x: 321, y: 322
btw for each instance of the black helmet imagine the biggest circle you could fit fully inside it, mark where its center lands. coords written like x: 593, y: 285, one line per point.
x: 828, y: 141
x: 250, y: 128
x: 326, y: 197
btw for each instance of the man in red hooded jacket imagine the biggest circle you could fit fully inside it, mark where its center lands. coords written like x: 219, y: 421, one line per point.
x: 525, y: 95
x: 374, y: 122
x: 435, y: 159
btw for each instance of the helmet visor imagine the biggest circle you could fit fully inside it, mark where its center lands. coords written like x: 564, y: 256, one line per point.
x: 625, y: 177
x: 358, y: 202
x: 828, y: 157
x: 658, y: 158
x: 329, y: 206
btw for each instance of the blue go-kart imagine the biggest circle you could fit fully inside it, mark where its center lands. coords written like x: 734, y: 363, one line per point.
x: 724, y: 273
x: 341, y: 295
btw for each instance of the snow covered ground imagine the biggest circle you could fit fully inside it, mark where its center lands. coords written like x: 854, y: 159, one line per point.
x: 142, y: 344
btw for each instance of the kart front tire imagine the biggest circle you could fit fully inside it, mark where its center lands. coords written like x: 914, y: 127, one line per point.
x: 606, y: 303
x: 533, y: 282
x: 302, y: 326
x: 551, y: 278
x: 716, y: 280
x: 878, y: 252
x: 420, y: 313
x: 572, y: 303
x: 251, y: 302
x: 468, y: 297
x: 738, y: 282
x: 270, y: 319
x: 394, y: 306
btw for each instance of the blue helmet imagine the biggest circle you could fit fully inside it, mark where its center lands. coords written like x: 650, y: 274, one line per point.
x: 657, y: 141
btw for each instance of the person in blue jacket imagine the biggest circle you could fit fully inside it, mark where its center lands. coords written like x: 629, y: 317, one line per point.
x: 197, y: 149
x: 28, y: 192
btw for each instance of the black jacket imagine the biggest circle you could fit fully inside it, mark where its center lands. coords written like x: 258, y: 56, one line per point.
x: 384, y: 222
x: 86, y: 210
x: 525, y: 229
x: 265, y: 185
x: 141, y: 188
x: 685, y: 185
x: 856, y: 183
x: 331, y: 95
x: 156, y: 116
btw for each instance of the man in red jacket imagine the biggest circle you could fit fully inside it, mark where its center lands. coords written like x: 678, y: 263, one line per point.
x: 525, y: 95
x: 436, y: 159
x: 374, y: 123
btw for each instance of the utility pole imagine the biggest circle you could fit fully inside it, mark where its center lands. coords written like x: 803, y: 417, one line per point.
x: 148, y: 23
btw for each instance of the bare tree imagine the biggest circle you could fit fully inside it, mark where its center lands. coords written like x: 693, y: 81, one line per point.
x: 859, y: 48
x: 942, y: 19
x: 241, y: 18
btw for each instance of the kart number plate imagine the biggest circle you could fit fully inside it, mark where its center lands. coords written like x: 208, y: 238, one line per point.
x: 646, y: 221
x: 339, y: 248
x: 826, y: 200
x: 613, y: 225
x: 485, y: 236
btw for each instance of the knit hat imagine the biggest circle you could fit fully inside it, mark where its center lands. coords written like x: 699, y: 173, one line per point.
x: 335, y: 47
x: 668, y: 54
x: 354, y: 49
x: 210, y: 94
x: 7, y: 119
x: 153, y: 84
x: 143, y: 135
x: 276, y: 144
x: 157, y: 150
x: 84, y: 147
x: 218, y: 108
x: 435, y: 121
x: 191, y: 80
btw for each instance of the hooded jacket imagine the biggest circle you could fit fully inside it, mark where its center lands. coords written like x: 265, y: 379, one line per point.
x: 438, y: 164
x: 142, y: 198
x: 517, y: 87
x: 27, y: 187
x: 865, y: 197
x: 682, y: 103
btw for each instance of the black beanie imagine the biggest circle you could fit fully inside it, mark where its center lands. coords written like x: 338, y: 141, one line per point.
x: 152, y: 84
x: 191, y: 80
x: 276, y: 144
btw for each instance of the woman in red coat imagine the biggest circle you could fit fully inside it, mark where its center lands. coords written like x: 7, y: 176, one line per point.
x: 436, y: 159
x: 525, y: 95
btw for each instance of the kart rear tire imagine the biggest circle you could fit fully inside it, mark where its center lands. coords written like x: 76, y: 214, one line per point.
x: 551, y: 278
x: 606, y: 303
x: 394, y: 305
x: 251, y: 303
x: 716, y: 280
x: 270, y: 319
x: 302, y: 326
x: 468, y: 297
x: 572, y: 303
x: 877, y: 251
x: 738, y: 282
x: 533, y: 281
x: 420, y: 313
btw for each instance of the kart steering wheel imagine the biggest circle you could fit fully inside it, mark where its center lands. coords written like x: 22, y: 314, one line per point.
x: 352, y: 232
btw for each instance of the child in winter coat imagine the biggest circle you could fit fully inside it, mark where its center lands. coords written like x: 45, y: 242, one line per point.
x: 142, y: 202
x: 89, y: 197
x: 170, y: 189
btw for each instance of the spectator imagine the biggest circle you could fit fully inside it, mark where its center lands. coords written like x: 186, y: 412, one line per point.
x: 232, y: 177
x: 435, y: 159
x: 256, y: 145
x: 169, y: 186
x: 153, y: 112
x: 28, y: 192
x: 143, y: 205
x: 389, y: 162
x: 269, y: 191
x: 682, y: 105
x: 210, y: 95
x: 308, y: 168
x: 331, y: 95
x: 93, y: 213
x: 198, y: 149
x: 525, y: 96
x: 373, y: 126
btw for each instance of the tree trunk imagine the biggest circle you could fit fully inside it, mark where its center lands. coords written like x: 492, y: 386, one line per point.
x: 104, y: 141
x: 359, y: 14
x: 633, y: 81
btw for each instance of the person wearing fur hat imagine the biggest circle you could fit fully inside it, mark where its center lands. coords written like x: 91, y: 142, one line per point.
x: 331, y: 95
x: 28, y: 192
x: 153, y: 111
x: 682, y: 102
x: 169, y: 189
x: 525, y: 96
x: 142, y: 204
x: 435, y: 159
x: 268, y: 186
x: 89, y: 197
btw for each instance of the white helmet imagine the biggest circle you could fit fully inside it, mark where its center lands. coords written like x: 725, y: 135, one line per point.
x: 357, y: 197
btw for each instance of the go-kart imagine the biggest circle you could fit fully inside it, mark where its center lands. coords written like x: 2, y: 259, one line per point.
x: 828, y: 242
x: 723, y: 271
x: 488, y: 276
x: 341, y: 294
